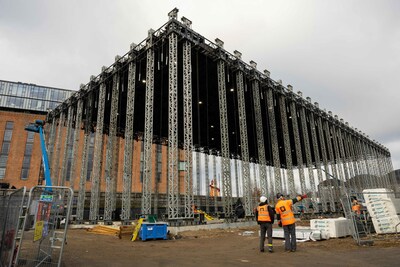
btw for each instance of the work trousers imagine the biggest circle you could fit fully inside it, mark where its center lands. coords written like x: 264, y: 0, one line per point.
x: 265, y: 228
x: 290, y: 236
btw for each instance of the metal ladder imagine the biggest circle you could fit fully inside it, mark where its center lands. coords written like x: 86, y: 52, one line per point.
x: 358, y: 228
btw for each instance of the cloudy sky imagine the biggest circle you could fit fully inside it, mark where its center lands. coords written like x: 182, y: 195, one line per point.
x: 343, y: 54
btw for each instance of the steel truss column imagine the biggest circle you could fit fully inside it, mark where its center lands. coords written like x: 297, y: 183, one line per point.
x: 389, y: 170
x: 378, y: 167
x: 58, y: 149
x: 356, y: 163
x: 97, y: 155
x: 255, y: 183
x: 329, y: 136
x: 66, y: 145
x: 297, y: 144
x: 80, y: 206
x: 207, y: 182
x: 173, y: 176
x: 74, y: 152
x: 356, y: 156
x: 325, y: 161
x: 307, y: 150
x: 111, y: 146
x: 345, y: 162
x: 274, y: 142
x: 384, y: 169
x: 339, y: 163
x: 364, y: 158
x: 236, y: 162
x: 369, y: 159
x: 198, y: 176
x: 52, y: 136
x: 214, y: 167
x: 348, y: 160
x: 373, y: 167
x: 384, y: 162
x: 260, y: 138
x: 188, y: 128
x: 334, y: 175
x: 244, y: 144
x: 321, y: 192
x: 148, y: 125
x: 225, y: 159
x: 47, y: 127
x: 362, y: 170
x: 288, y: 150
x: 395, y: 185
x: 271, y: 196
x: 128, y: 146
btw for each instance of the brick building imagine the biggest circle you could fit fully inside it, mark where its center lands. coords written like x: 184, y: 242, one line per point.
x: 20, y: 155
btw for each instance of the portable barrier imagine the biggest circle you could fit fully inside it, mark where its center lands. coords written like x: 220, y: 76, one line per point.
x: 11, y: 210
x: 43, y: 240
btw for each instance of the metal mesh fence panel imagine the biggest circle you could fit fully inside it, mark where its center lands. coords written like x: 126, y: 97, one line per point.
x: 46, y: 224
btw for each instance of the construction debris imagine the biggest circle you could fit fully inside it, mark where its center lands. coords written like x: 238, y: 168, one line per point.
x: 126, y: 231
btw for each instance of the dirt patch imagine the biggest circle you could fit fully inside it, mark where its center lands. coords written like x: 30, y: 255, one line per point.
x: 225, y: 247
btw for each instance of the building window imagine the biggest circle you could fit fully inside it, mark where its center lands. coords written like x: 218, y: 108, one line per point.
x: 26, y: 162
x: 3, y: 86
x: 5, y: 148
x: 14, y: 102
x: 29, y: 96
x: 37, y: 104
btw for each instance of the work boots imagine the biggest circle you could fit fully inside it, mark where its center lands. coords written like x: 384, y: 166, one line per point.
x: 270, y: 249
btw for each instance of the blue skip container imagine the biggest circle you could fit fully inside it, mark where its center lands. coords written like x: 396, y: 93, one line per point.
x: 153, y: 231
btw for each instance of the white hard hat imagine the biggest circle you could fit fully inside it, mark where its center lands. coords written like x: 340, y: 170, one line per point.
x: 263, y: 199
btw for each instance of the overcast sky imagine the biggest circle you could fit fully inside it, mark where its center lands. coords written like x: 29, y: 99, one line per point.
x: 343, y: 54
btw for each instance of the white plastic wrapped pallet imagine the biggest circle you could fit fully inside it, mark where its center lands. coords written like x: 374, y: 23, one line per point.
x: 331, y: 228
x: 383, y: 208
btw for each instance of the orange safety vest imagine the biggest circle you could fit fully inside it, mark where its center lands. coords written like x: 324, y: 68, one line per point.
x: 356, y: 208
x: 284, y: 208
x: 263, y: 214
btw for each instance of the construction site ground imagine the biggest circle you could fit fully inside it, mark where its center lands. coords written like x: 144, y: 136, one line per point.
x: 222, y: 247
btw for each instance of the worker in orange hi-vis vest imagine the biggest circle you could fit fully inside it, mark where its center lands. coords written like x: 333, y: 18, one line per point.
x: 286, y: 219
x: 265, y: 216
x: 214, y: 190
x: 356, y: 207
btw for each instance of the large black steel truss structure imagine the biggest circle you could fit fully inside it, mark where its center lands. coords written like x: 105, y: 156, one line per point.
x: 179, y: 89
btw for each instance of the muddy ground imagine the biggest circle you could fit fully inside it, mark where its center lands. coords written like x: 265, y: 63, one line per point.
x: 222, y: 248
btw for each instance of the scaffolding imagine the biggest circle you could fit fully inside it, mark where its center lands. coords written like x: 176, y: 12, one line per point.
x: 210, y: 111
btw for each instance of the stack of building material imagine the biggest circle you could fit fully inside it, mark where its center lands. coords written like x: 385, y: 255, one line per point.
x: 331, y: 228
x: 383, y: 208
x: 104, y: 230
x: 302, y: 233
